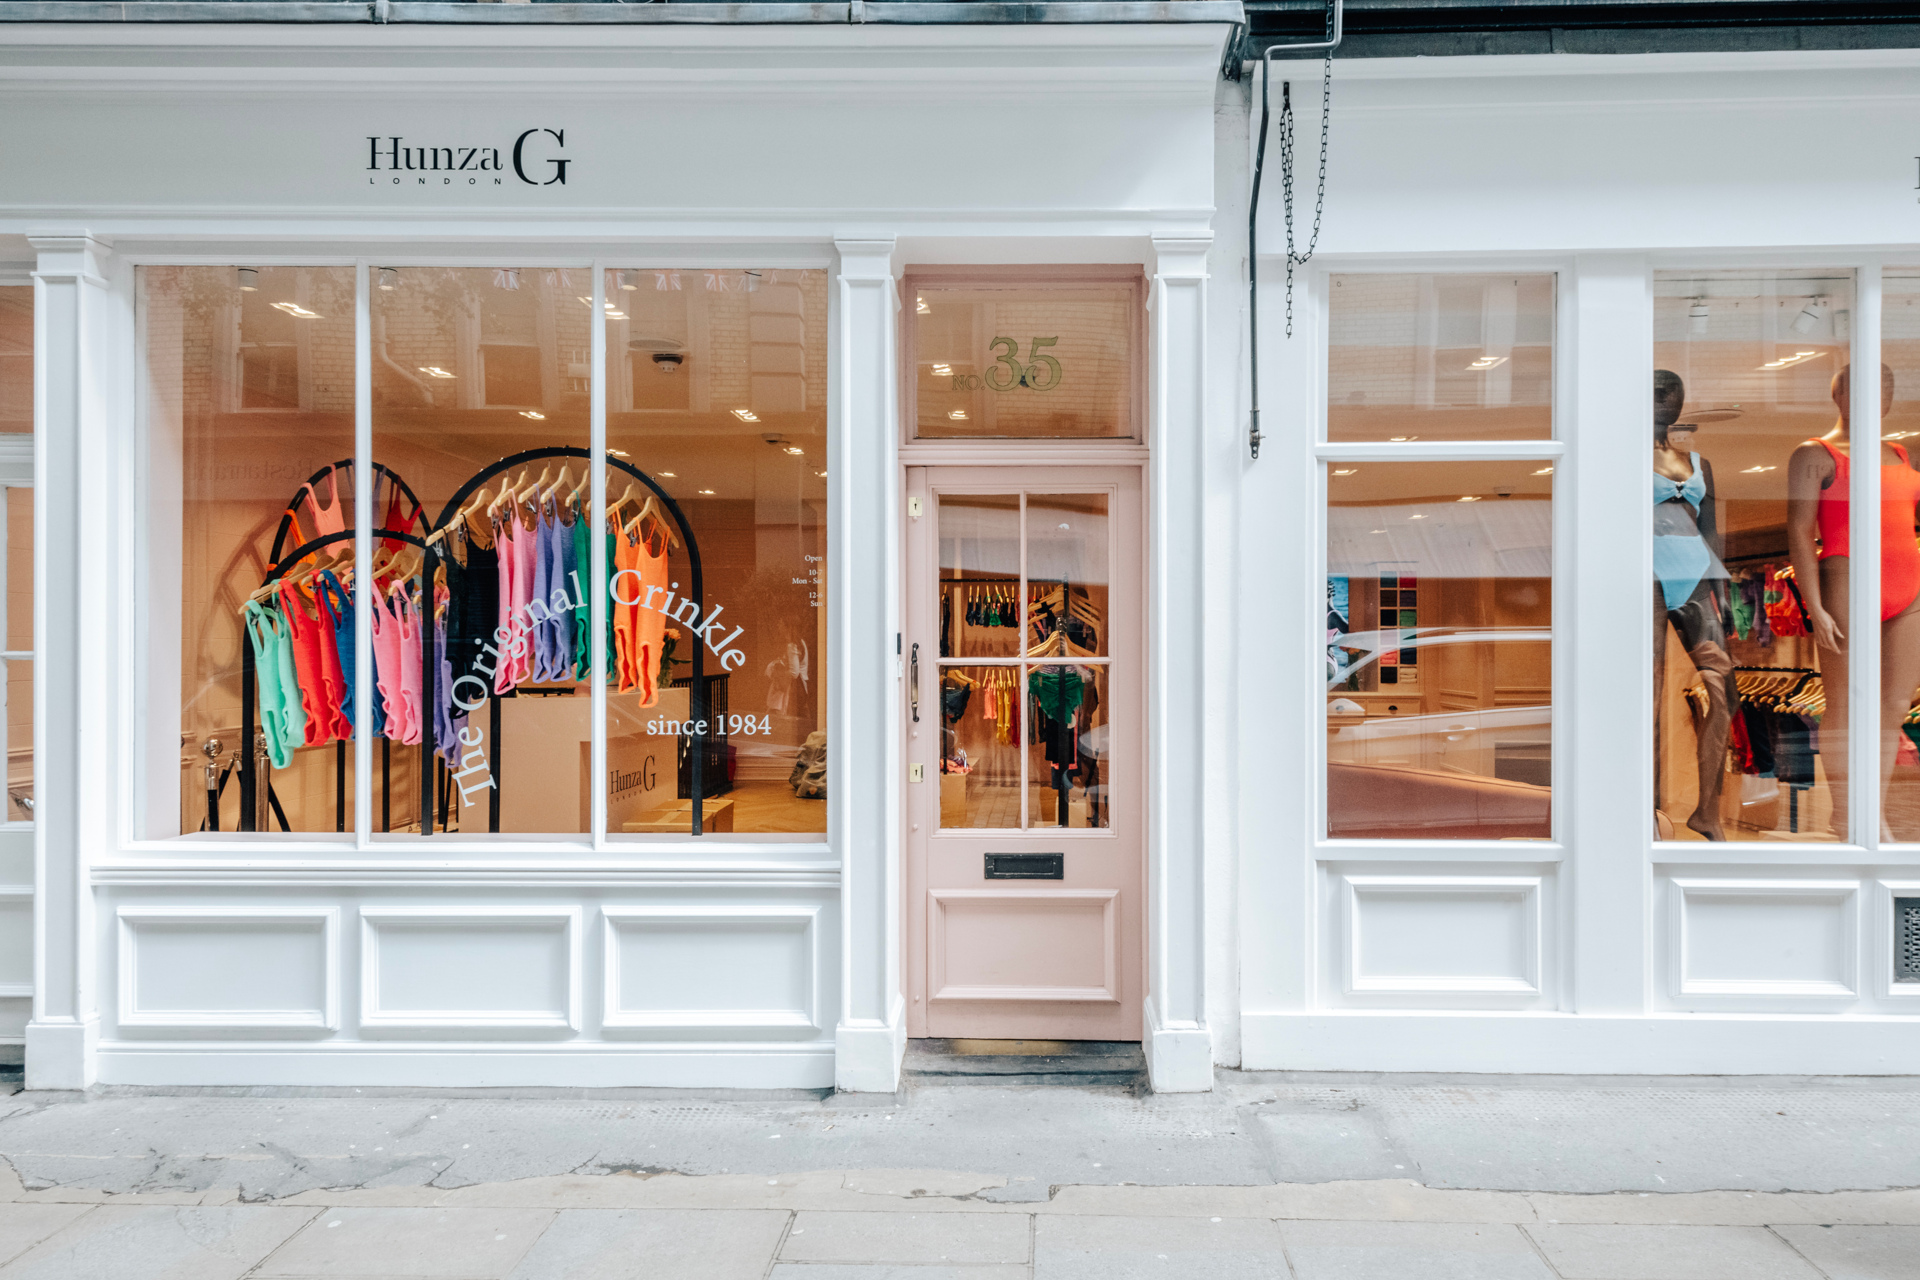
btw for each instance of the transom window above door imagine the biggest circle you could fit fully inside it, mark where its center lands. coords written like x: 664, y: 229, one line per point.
x: 1024, y: 353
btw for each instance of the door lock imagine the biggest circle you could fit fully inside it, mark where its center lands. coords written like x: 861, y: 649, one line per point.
x: 916, y: 773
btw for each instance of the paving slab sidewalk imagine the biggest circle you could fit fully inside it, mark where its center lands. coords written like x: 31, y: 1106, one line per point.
x: 1550, y: 1178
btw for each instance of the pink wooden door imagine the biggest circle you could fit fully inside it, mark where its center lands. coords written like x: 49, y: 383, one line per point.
x: 1026, y: 849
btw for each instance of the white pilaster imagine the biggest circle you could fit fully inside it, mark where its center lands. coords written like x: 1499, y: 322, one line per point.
x: 70, y: 427
x: 1178, y: 1047
x: 1603, y: 795
x: 863, y: 748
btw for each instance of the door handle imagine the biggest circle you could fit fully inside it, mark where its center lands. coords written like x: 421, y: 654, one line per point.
x: 913, y: 682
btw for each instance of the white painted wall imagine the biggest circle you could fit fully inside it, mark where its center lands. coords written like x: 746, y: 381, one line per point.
x: 861, y: 149
x: 1601, y: 950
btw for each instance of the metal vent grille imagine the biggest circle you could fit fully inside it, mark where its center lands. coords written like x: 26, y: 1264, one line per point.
x: 1906, y: 939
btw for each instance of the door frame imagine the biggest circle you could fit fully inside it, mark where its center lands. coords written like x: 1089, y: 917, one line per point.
x: 989, y: 467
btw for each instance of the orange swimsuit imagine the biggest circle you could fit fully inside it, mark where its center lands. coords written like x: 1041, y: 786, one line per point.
x: 1899, y: 551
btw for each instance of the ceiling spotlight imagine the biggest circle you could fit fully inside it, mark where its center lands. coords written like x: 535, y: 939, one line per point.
x: 708, y: 492
x: 1544, y: 471
x: 943, y: 370
x: 920, y: 307
x: 1486, y: 362
x: 794, y: 449
x: 387, y: 279
x: 746, y: 415
x: 1697, y: 316
x: 958, y: 415
x: 1809, y: 316
x: 297, y: 311
x: 668, y: 361
x: 435, y: 371
x: 628, y: 280
x: 1349, y: 471
x: 535, y: 414
x: 668, y: 474
x: 1471, y: 497
x: 246, y: 278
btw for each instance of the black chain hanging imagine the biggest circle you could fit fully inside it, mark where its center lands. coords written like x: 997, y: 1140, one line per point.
x: 1286, y: 169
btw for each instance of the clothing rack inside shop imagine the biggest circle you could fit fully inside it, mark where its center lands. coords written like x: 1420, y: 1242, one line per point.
x: 433, y: 782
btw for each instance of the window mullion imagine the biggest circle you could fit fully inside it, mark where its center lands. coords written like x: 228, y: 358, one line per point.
x: 363, y: 474
x: 1864, y: 744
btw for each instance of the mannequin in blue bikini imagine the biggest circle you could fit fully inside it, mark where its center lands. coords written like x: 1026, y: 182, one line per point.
x: 1690, y: 591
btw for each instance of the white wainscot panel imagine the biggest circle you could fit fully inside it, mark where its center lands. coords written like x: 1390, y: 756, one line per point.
x: 712, y: 968
x: 229, y: 968
x: 1444, y: 938
x: 1771, y: 941
x: 16, y: 940
x: 479, y: 969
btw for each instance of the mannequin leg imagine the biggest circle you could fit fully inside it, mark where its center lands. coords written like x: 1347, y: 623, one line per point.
x: 1833, y: 678
x: 1899, y: 676
x: 1699, y: 623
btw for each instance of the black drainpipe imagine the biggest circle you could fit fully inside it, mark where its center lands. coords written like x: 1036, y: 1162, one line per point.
x: 1253, y: 211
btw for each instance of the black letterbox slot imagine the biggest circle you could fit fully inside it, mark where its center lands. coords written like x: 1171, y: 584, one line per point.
x: 1026, y: 866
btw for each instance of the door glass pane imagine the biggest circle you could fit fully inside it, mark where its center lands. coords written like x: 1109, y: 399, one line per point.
x: 1439, y: 650
x: 717, y: 492
x: 1900, y: 659
x: 1067, y: 574
x: 471, y: 367
x: 19, y: 673
x: 980, y: 603
x: 1440, y: 357
x: 980, y: 731
x: 1025, y: 359
x: 16, y: 358
x: 1750, y: 578
x: 1067, y: 741
x: 249, y: 382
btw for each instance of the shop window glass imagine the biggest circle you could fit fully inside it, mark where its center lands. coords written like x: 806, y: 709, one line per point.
x: 250, y: 393
x: 481, y: 396
x: 1751, y: 583
x: 1439, y: 650
x: 717, y: 488
x: 1023, y: 359
x: 1440, y: 357
x: 1900, y: 655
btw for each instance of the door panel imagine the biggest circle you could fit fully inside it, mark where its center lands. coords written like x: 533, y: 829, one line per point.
x: 1023, y: 597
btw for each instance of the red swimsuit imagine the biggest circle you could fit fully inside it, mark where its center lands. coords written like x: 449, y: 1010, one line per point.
x: 1899, y: 551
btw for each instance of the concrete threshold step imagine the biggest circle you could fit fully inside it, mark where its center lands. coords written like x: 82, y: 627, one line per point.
x: 1005, y: 1062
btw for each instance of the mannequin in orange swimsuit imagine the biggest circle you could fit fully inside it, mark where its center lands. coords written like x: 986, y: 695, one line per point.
x: 1818, y: 504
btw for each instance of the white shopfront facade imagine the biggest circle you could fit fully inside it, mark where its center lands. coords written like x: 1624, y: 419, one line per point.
x: 151, y: 168
x: 850, y: 159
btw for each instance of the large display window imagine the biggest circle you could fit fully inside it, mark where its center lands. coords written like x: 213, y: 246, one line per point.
x: 1751, y: 575
x: 588, y: 595
x: 1439, y: 561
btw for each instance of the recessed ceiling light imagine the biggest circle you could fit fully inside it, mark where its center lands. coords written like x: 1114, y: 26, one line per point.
x: 1376, y: 531
x: 618, y: 453
x: 295, y: 310
x: 1416, y: 517
x: 1471, y: 497
x: 1749, y: 471
x: 958, y: 415
x: 821, y: 474
x: 1349, y: 471
x: 668, y: 474
x: 1544, y: 471
x: 1486, y: 362
x: 435, y: 371
x: 746, y: 415
x: 1400, y: 439
x: 707, y: 491
x: 795, y: 450
x: 943, y: 370
x: 535, y: 414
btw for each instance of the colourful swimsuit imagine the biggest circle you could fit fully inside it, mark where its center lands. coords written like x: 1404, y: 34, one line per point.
x: 1899, y: 552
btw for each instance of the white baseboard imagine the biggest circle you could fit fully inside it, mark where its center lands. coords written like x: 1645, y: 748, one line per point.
x: 1179, y: 1059
x: 1587, y: 1044
x: 362, y: 1064
x: 61, y: 1055
x: 868, y: 1057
